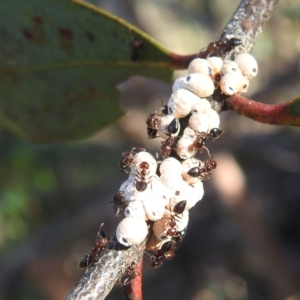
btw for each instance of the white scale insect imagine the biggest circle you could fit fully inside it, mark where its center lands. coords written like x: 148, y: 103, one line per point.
x: 131, y: 231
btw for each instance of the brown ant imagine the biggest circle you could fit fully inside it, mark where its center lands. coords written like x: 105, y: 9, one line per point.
x: 119, y: 204
x: 153, y: 120
x: 100, y: 243
x: 141, y: 184
x: 161, y: 254
x: 167, y: 146
x: 130, y: 274
x: 202, y: 137
x: 179, y: 236
x: 221, y: 47
x: 177, y: 209
x: 203, y: 173
x: 127, y: 159
x: 167, y: 250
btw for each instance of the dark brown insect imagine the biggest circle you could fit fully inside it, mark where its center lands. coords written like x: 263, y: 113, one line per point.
x: 203, y: 172
x: 127, y: 159
x: 100, y: 243
x: 202, y: 137
x: 141, y: 176
x: 135, y: 46
x: 222, y: 46
x: 171, y: 253
x: 153, y: 120
x: 152, y: 133
x: 161, y: 254
x: 179, y: 236
x: 167, y: 250
x: 119, y: 204
x: 215, y: 133
x: 166, y: 147
x: 130, y: 274
x: 177, y: 209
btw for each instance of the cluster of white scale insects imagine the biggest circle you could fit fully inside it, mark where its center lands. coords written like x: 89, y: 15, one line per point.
x: 163, y: 189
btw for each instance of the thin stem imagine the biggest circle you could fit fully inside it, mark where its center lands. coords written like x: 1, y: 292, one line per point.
x: 133, y: 290
x: 279, y: 114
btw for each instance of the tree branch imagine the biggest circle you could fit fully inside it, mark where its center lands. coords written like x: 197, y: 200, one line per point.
x: 280, y: 114
x: 101, y: 276
x: 246, y: 24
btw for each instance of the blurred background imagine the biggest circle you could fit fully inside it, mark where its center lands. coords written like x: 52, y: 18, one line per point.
x: 243, y: 239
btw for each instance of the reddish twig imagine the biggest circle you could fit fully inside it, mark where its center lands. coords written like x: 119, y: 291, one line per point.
x: 133, y: 290
x: 276, y: 114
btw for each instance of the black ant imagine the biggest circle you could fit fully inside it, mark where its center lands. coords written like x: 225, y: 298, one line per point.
x: 202, y: 137
x: 221, y: 47
x: 203, y: 173
x: 135, y: 46
x: 119, y: 204
x: 127, y: 159
x: 100, y: 243
x: 141, y: 184
x: 130, y: 274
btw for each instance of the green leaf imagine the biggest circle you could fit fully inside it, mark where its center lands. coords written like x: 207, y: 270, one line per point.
x: 294, y: 108
x: 60, y: 63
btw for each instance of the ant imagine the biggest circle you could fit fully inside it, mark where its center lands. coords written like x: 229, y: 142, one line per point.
x: 141, y: 175
x: 201, y: 138
x: 177, y: 209
x: 119, y: 204
x: 135, y: 47
x: 153, y: 120
x: 167, y: 146
x: 100, y: 242
x: 152, y: 133
x: 221, y: 47
x: 203, y: 173
x: 130, y: 274
x: 127, y: 159
x: 179, y: 236
x: 161, y: 254
x: 167, y: 250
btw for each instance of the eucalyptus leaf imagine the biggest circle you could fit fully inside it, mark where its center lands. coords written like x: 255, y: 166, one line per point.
x: 60, y: 63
